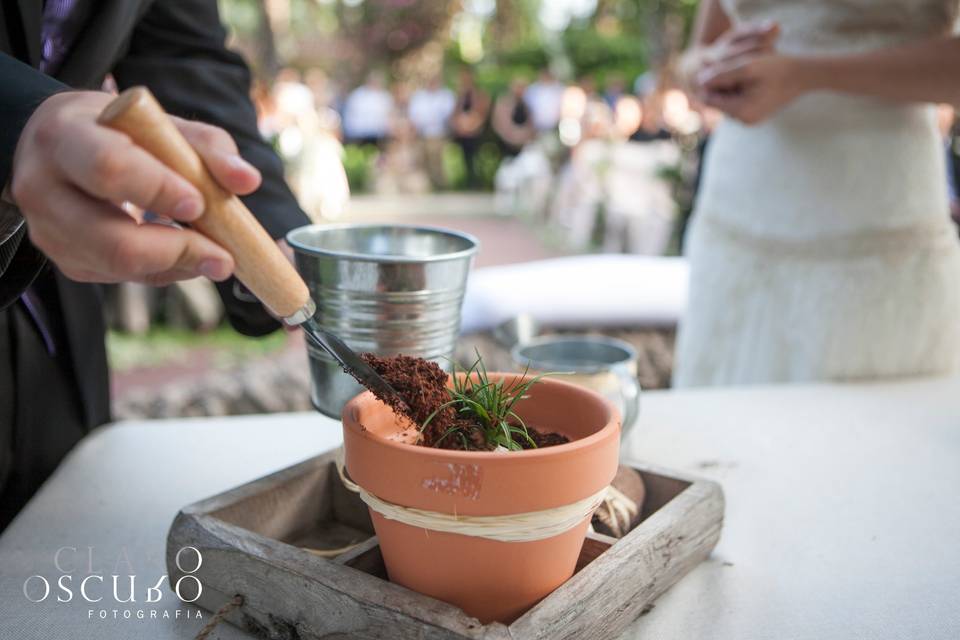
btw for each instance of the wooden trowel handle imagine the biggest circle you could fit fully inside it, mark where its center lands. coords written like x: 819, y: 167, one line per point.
x: 260, y: 264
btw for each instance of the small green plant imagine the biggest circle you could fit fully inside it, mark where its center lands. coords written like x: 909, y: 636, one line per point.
x: 480, y: 403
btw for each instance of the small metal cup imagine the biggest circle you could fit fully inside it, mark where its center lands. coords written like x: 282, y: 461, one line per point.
x: 605, y: 365
x: 385, y: 289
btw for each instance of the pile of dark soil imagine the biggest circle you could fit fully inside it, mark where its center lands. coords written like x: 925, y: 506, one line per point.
x: 545, y: 439
x: 423, y: 386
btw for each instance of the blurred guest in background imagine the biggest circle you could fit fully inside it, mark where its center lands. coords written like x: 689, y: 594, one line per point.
x: 400, y: 167
x: 512, y: 120
x: 268, y: 118
x: 320, y: 181
x: 400, y: 170
x: 291, y: 95
x: 293, y: 102
x: 468, y: 122
x: 597, y: 120
x: 709, y: 119
x: 646, y: 83
x: 614, y: 89
x: 544, y: 98
x: 400, y: 116
x: 946, y: 118
x: 588, y: 84
x: 652, y: 124
x: 367, y: 112
x: 430, y: 110
x: 325, y: 96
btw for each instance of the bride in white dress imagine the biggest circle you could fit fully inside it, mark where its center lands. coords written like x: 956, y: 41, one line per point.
x: 821, y: 246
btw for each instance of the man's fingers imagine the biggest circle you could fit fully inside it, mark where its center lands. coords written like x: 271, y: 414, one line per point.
x: 164, y: 249
x: 107, y: 165
x: 111, y: 247
x: 219, y: 153
x: 206, y: 136
x: 144, y: 251
x: 232, y: 172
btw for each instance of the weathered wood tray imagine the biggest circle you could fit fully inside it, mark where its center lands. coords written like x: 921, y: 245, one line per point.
x: 251, y: 539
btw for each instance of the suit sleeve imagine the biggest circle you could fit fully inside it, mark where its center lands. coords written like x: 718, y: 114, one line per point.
x: 178, y: 50
x: 22, y: 89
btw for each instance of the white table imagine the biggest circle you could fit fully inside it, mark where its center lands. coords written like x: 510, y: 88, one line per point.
x: 843, y: 517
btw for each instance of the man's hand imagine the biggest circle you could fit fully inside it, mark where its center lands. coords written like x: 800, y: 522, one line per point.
x: 72, y: 180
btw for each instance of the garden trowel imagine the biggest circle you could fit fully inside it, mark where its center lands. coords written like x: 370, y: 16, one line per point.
x: 260, y: 264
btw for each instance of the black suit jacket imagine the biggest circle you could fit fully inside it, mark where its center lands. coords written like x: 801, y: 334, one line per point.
x: 176, y: 48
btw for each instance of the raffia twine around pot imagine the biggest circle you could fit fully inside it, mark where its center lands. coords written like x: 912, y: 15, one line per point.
x: 514, y: 527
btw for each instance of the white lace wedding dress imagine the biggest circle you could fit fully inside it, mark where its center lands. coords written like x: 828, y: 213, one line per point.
x: 821, y: 246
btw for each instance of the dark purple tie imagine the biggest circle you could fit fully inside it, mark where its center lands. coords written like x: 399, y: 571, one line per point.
x: 61, y: 24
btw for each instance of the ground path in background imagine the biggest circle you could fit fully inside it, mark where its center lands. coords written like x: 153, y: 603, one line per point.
x: 503, y: 240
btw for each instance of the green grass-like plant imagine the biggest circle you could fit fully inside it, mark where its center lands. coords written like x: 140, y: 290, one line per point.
x: 489, y: 404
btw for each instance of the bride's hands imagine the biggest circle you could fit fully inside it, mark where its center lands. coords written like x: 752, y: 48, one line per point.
x: 752, y: 38
x: 751, y: 87
x: 745, y: 39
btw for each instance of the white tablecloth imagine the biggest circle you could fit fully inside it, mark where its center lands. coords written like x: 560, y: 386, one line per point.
x: 843, y: 519
x: 579, y: 291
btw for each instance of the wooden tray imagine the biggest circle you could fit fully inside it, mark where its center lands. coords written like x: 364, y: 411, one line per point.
x: 251, y: 541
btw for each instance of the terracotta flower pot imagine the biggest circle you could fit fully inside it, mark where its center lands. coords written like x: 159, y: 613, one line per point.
x: 489, y: 579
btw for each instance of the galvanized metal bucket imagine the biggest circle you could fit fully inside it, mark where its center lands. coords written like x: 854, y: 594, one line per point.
x: 606, y: 365
x: 386, y: 289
